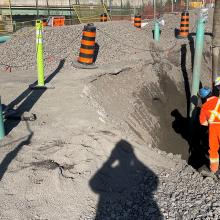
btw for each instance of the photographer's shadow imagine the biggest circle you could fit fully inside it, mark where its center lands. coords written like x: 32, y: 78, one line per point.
x: 125, y: 187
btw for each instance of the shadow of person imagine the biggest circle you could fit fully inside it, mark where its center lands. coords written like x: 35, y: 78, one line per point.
x: 196, y: 137
x: 125, y: 187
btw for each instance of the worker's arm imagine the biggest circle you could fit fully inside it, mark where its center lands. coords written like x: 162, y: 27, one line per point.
x: 202, y: 118
x: 205, y: 123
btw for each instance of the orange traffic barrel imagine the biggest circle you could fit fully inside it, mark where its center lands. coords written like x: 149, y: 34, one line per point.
x: 103, y: 17
x: 137, y: 21
x: 87, y: 49
x: 184, y: 25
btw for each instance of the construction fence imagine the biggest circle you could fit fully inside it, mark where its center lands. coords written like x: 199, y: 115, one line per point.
x: 82, y: 13
x: 161, y: 7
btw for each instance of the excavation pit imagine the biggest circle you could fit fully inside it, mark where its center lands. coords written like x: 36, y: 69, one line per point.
x: 154, y: 108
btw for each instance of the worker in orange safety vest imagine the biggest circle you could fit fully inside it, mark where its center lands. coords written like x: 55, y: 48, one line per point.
x: 210, y: 116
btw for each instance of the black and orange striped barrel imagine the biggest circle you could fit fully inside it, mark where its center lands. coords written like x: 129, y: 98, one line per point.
x: 103, y: 17
x: 184, y: 25
x: 87, y: 49
x: 137, y: 21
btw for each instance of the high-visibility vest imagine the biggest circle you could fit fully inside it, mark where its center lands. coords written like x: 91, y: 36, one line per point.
x: 215, y: 114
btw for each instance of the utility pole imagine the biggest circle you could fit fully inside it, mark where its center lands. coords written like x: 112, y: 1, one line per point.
x: 172, y: 6
x: 37, y: 9
x: 134, y: 9
x: 110, y: 7
x: 216, y: 42
x: 48, y: 8
x: 11, y: 18
x: 154, y: 10
x: 71, y: 13
x: 187, y: 5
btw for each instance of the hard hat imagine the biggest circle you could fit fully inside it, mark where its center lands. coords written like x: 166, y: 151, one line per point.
x: 204, y: 92
x: 217, y: 81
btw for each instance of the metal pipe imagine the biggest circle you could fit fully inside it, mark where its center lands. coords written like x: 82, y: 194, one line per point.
x: 2, y: 129
x: 154, y: 10
x: 110, y: 8
x: 37, y: 9
x: 187, y: 5
x: 172, y: 6
x: 11, y: 18
x: 4, y: 38
x: 197, y: 65
x: 156, y: 31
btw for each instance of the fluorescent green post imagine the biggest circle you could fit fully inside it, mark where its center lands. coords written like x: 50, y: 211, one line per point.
x: 40, y: 52
x: 197, y: 63
x: 156, y: 31
x: 2, y: 129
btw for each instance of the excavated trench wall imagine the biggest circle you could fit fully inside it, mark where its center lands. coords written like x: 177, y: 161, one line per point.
x: 149, y: 99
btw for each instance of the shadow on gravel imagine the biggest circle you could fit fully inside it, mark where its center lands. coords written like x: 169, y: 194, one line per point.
x: 12, y: 154
x: 125, y: 187
x: 176, y: 32
x: 28, y: 98
x: 96, y: 52
x: 206, y: 33
x: 192, y: 49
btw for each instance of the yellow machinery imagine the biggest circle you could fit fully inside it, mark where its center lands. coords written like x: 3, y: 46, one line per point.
x: 6, y: 19
x: 195, y: 4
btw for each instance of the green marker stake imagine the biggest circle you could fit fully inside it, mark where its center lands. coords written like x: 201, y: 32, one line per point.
x: 156, y: 31
x: 197, y: 62
x: 40, y: 52
x: 2, y: 129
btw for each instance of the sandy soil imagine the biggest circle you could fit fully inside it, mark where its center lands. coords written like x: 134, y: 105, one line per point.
x: 46, y: 165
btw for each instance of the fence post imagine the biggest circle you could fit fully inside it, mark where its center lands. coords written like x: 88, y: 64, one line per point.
x: 2, y: 129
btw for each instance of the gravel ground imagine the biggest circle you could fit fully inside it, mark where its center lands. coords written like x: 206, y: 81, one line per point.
x: 180, y: 193
x: 99, y: 153
x: 117, y: 41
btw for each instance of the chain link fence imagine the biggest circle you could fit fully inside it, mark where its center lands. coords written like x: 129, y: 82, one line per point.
x: 146, y: 9
x: 123, y: 10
